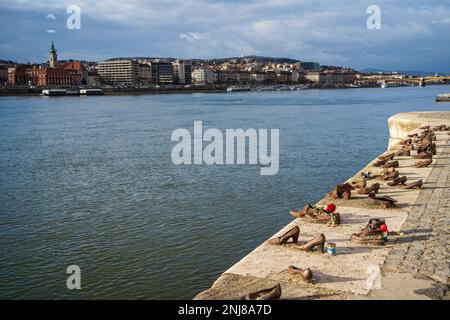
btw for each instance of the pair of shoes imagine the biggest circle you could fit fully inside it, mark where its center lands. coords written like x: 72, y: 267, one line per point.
x: 414, y: 185
x: 394, y: 164
x: 389, y: 175
x: 318, y: 241
x: 403, y: 153
x: 423, y: 163
x: 370, y: 234
x: 291, y: 233
x: 366, y: 190
x: 317, y: 215
x: 379, y: 201
x: 423, y: 155
x: 305, y: 274
x: 387, y: 157
x: 272, y: 293
x: 341, y: 191
x: 398, y: 181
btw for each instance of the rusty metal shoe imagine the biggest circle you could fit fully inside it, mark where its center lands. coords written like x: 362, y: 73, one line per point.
x: 408, y: 147
x: 403, y: 153
x: 358, y: 184
x: 414, y: 185
x: 423, y: 163
x: 394, y: 164
x: 406, y: 141
x: 300, y: 213
x: 370, y: 233
x: 273, y: 293
x: 379, y: 201
x: 305, y: 274
x: 398, y: 181
x: 341, y: 191
x: 390, y: 175
x: 322, y: 216
x: 292, y: 233
x: 318, y: 241
x: 366, y: 190
x: 387, y: 157
x: 423, y: 155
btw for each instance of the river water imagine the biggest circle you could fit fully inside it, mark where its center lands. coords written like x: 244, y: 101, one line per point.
x: 89, y: 181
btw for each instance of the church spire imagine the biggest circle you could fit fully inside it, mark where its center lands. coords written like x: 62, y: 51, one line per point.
x: 53, y: 57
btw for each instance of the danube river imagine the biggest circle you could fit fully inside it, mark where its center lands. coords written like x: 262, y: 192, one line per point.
x: 89, y: 181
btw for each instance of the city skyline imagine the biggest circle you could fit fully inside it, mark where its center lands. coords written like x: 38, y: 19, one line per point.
x: 413, y: 35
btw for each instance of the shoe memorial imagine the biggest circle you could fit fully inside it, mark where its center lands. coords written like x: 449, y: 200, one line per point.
x: 318, y: 241
x: 304, y: 274
x: 370, y: 234
x: 366, y: 190
x: 318, y: 214
x: 379, y: 201
x: 414, y: 185
x: 423, y: 163
x: 292, y: 233
x: 398, y: 181
x: 341, y: 191
x: 273, y: 293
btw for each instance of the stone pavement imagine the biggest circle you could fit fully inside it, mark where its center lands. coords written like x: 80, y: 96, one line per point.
x: 423, y: 247
x: 414, y: 263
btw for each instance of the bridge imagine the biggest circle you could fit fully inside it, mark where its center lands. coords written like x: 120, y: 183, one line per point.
x: 419, y: 81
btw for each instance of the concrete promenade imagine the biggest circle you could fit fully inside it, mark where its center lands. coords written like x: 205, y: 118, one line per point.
x: 413, y: 264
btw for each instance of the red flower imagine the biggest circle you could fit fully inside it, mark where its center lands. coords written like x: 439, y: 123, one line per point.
x: 331, y: 207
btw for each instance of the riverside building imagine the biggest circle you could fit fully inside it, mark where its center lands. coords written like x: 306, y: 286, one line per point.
x: 119, y: 72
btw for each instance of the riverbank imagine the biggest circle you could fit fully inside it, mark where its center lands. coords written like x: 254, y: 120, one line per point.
x: 36, y: 91
x: 414, y: 263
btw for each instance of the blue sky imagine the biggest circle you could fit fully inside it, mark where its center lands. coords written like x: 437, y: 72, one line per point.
x: 414, y: 35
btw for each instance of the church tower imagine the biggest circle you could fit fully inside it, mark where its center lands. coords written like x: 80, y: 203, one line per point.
x: 53, y: 57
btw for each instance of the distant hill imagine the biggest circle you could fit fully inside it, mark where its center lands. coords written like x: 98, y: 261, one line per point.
x: 413, y: 73
x: 217, y: 60
x: 6, y: 62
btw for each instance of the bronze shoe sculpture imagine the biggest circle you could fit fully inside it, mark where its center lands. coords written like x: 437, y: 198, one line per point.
x: 305, y: 274
x: 292, y: 233
x: 414, y: 185
x: 367, y: 176
x: 322, y: 216
x: 424, y: 127
x: 380, y: 201
x: 366, y: 190
x: 299, y: 213
x: 408, y: 147
x: 387, y: 157
x: 318, y: 241
x: 341, y: 191
x: 406, y: 141
x: 389, y: 175
x: 423, y: 155
x: 423, y: 163
x: 370, y: 234
x: 358, y: 184
x: 403, y: 153
x: 273, y: 293
x: 394, y: 164
x: 398, y: 181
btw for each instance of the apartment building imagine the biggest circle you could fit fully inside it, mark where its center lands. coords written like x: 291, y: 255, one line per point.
x: 118, y: 71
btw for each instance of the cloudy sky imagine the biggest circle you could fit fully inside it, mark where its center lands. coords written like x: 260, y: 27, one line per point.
x: 414, y: 34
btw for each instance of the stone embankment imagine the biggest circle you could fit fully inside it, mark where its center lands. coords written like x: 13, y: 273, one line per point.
x: 413, y: 264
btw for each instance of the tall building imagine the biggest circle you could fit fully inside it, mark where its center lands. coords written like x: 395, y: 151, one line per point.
x: 145, y: 73
x: 53, y: 57
x: 118, y: 71
x: 182, y: 72
x: 203, y: 76
x: 162, y: 72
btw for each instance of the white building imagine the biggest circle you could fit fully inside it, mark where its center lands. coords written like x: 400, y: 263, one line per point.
x: 203, y: 76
